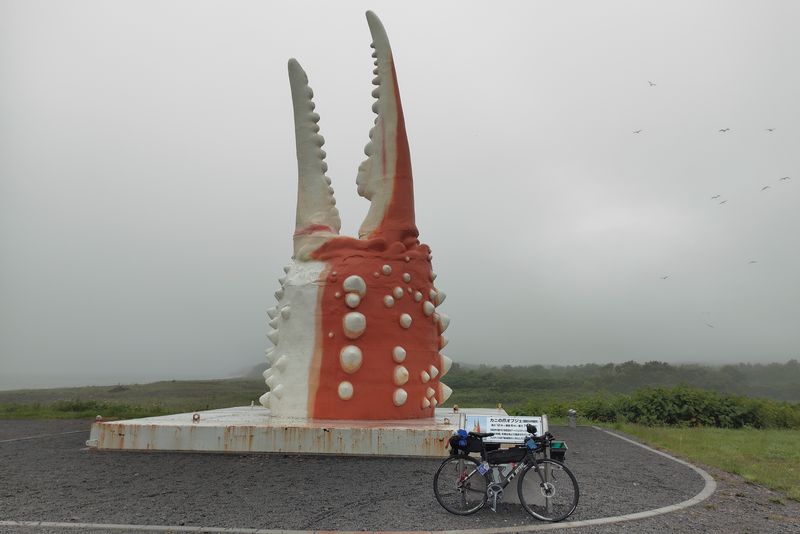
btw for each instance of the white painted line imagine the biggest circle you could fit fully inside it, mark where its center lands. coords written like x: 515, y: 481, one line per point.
x: 42, y: 436
x: 144, y: 528
x: 708, y: 490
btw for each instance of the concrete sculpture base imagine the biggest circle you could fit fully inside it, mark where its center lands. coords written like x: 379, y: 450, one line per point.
x: 252, y: 429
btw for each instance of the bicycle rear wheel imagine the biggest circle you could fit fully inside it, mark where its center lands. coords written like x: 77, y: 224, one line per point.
x: 548, y: 490
x: 458, y: 485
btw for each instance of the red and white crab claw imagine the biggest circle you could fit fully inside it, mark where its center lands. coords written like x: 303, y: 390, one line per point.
x: 356, y: 331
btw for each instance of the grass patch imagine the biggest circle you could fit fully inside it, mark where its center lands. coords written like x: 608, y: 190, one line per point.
x: 769, y: 457
x: 129, y: 401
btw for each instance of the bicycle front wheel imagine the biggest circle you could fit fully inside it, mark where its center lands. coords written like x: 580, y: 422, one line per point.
x: 458, y: 485
x: 548, y: 490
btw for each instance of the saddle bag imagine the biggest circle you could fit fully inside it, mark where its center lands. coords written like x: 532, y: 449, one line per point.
x: 462, y: 442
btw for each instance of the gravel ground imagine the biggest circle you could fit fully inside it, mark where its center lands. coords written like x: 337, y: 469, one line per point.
x: 58, y: 479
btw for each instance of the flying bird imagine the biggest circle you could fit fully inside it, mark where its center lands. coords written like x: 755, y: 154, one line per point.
x: 723, y: 202
x: 784, y: 178
x: 752, y: 261
x: 637, y: 131
x: 723, y: 130
x: 651, y: 83
x: 765, y: 187
x: 770, y: 129
x: 664, y: 277
x: 715, y: 196
x: 709, y: 325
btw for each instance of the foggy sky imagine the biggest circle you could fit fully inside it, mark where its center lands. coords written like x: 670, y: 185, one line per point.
x: 148, y: 177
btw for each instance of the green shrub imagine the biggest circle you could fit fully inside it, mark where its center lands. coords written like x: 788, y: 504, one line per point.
x: 680, y: 406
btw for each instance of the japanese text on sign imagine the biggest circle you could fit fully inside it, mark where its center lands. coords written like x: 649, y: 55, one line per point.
x: 511, y: 429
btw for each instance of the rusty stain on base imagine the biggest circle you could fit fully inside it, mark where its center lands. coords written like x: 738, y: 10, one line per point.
x: 251, y: 429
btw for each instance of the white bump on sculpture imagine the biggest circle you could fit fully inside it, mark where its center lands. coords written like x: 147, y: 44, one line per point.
x: 387, y: 269
x: 388, y: 301
x: 400, y: 397
x: 286, y: 312
x: 273, y: 336
x: 446, y: 364
x: 445, y: 391
x: 417, y: 296
x: 355, y: 284
x: 406, y: 277
x: 425, y: 377
x: 433, y: 276
x: 428, y: 308
x: 425, y: 402
x: 433, y: 371
x: 272, y: 312
x: 354, y: 324
x: 345, y: 390
x: 399, y: 354
x: 278, y: 391
x: 429, y: 392
x: 398, y: 292
x: 400, y: 375
x: 444, y: 321
x: 434, y: 402
x: 432, y: 295
x: 282, y: 362
x: 352, y: 300
x: 350, y: 357
x: 440, y: 296
x: 405, y: 320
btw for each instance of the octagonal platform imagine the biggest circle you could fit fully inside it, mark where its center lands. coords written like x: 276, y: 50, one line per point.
x: 253, y: 429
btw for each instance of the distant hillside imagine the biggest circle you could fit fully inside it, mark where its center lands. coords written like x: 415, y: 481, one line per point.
x: 777, y: 381
x: 513, y: 386
x: 170, y: 396
x: 510, y: 384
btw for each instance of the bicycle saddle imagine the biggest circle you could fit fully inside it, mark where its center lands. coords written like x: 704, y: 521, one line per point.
x: 481, y: 434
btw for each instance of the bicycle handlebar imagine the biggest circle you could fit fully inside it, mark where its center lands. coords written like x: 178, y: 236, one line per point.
x: 540, y: 440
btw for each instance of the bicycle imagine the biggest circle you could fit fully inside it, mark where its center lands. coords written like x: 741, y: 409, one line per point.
x: 547, y: 489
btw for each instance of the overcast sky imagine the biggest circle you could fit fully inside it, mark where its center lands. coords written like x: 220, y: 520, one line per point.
x: 148, y: 177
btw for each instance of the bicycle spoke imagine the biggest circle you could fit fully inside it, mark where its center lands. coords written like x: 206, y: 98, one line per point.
x: 459, y: 487
x: 548, y: 491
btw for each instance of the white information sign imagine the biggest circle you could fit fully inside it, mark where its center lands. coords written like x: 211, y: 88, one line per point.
x: 510, y: 429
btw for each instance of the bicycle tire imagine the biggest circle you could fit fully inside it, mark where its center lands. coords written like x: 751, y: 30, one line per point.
x: 458, y: 485
x: 549, y: 492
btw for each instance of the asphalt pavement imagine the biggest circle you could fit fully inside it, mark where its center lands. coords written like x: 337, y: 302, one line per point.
x: 48, y: 474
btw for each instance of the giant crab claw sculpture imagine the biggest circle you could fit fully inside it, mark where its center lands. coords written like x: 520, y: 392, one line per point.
x: 356, y: 331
